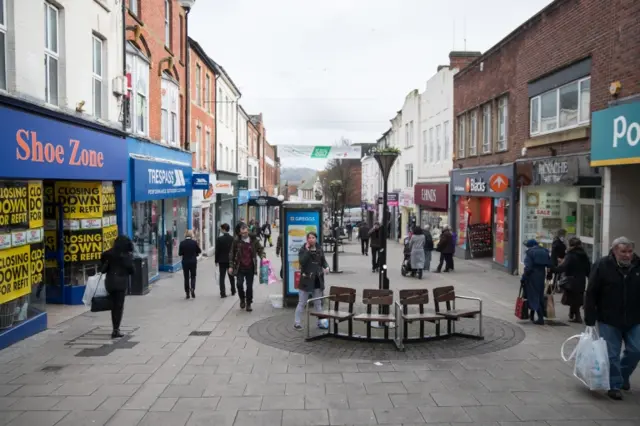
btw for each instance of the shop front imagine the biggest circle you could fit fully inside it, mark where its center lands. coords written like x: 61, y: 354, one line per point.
x: 483, y: 217
x: 407, y: 213
x: 224, y: 189
x: 562, y: 192
x: 615, y: 149
x: 61, y: 186
x: 394, y: 214
x: 243, y: 196
x: 203, y: 212
x: 160, y: 196
x: 432, y: 201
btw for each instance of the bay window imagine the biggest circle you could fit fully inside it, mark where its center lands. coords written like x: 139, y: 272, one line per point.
x: 3, y: 46
x: 138, y: 68
x: 51, y: 53
x: 562, y: 108
x: 170, y: 111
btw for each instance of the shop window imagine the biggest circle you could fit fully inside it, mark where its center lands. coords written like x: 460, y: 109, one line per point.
x: 147, y: 226
x: 502, y: 123
x: 486, y: 128
x: 3, y: 45
x: 51, y: 53
x: 175, y: 226
x: 563, y: 108
x: 196, y: 225
x: 98, y: 85
x: 138, y: 68
x: 473, y: 136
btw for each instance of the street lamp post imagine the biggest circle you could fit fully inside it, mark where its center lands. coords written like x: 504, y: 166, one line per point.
x: 385, y: 158
x: 335, y: 187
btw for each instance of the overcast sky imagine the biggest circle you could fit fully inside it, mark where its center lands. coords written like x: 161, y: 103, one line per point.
x: 322, y: 70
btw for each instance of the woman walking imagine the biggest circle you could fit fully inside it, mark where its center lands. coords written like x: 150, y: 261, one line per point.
x: 428, y: 248
x: 416, y: 245
x: 117, y: 264
x: 572, y: 274
x: 536, y: 262
x: 189, y: 250
x: 313, y: 267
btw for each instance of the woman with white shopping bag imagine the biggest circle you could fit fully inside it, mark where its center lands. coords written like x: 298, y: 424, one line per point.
x: 117, y: 264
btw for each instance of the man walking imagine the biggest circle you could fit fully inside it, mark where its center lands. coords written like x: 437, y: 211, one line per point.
x: 223, y: 247
x: 376, y: 244
x: 446, y: 247
x: 243, y: 264
x: 612, y: 299
x: 363, y: 234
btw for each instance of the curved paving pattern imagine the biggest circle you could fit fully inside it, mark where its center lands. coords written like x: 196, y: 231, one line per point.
x: 278, y: 332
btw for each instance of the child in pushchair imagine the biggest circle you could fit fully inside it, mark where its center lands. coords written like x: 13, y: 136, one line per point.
x: 406, y: 262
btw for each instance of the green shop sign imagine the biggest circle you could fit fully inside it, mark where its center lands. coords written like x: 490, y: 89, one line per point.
x: 615, y: 135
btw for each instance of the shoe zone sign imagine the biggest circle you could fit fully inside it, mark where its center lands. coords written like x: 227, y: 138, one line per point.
x: 156, y: 180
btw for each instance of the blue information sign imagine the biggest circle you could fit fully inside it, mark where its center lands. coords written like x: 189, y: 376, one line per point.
x: 155, y: 180
x: 297, y: 224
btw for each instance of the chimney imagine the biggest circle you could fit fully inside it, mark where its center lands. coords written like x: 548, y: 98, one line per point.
x: 461, y: 59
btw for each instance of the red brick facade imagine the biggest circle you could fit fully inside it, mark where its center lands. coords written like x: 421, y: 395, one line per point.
x: 202, y: 112
x: 565, y: 32
x: 146, y: 30
x: 269, y: 171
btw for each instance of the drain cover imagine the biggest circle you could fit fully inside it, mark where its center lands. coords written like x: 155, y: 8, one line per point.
x: 52, y: 368
x: 200, y: 333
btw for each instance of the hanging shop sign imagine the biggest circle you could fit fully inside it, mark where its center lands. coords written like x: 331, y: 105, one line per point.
x: 41, y: 148
x: 562, y: 170
x: 489, y: 182
x: 392, y: 199
x: 157, y: 180
x: 200, y: 181
x: 615, y: 135
x: 320, y: 152
x: 223, y: 187
x: 433, y: 196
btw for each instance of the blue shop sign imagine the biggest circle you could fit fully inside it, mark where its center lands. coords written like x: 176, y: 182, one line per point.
x: 200, y: 181
x: 254, y: 193
x: 157, y: 180
x: 243, y: 197
x: 615, y: 135
x: 36, y: 147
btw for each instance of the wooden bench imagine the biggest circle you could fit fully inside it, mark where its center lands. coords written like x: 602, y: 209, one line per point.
x: 447, y: 295
x: 336, y: 295
x: 419, y: 297
x: 381, y: 298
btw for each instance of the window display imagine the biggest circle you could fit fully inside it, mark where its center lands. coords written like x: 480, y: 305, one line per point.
x: 212, y: 227
x: 196, y: 225
x: 175, y: 226
x: 146, y: 226
x: 434, y: 221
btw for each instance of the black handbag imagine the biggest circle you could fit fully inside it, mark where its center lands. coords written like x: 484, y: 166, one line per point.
x: 100, y: 303
x: 565, y: 282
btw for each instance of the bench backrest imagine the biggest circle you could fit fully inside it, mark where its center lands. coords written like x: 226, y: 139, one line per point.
x: 342, y: 295
x: 444, y: 295
x: 377, y: 297
x: 418, y: 297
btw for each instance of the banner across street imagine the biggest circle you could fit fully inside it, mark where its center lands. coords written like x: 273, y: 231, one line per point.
x: 320, y: 152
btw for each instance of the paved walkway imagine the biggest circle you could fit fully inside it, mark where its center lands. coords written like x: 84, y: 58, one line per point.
x: 162, y: 374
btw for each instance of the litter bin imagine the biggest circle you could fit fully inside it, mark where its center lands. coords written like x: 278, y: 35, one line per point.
x: 140, y: 279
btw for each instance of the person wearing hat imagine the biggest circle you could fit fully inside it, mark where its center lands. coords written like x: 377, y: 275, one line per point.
x: 536, y: 262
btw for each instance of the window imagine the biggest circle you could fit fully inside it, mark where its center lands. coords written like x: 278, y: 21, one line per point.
x: 227, y: 159
x: 218, y: 100
x: 219, y: 153
x: 232, y: 166
x: 3, y: 46
x: 411, y: 133
x: 169, y: 111
x: 97, y: 77
x: 51, y: 53
x: 181, y: 37
x: 462, y: 137
x: 138, y: 67
x: 486, y: 128
x: 431, y: 141
x: 502, y: 124
x: 406, y: 136
x: 563, y: 108
x: 473, y: 138
x: 207, y: 150
x: 425, y: 147
x: 447, y: 147
x: 438, y: 147
x: 167, y: 23
x: 226, y: 110
x: 408, y: 173
x: 196, y: 146
x: 198, y: 85
x: 134, y: 7
x: 207, y: 92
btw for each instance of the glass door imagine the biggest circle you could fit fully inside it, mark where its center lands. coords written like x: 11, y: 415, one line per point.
x: 589, y: 229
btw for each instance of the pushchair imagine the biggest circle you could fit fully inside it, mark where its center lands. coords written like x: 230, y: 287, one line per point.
x: 406, y: 262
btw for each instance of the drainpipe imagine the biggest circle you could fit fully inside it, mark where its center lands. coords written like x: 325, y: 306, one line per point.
x: 187, y: 127
x: 125, y: 100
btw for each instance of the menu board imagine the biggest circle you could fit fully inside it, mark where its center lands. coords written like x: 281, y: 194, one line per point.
x: 298, y: 223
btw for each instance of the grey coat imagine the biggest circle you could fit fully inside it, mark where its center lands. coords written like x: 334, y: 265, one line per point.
x: 417, y: 251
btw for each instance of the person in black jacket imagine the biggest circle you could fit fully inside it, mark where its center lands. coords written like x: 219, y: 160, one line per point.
x: 376, y: 244
x: 428, y: 248
x: 189, y: 250
x: 117, y: 263
x: 363, y: 234
x: 573, y: 272
x: 613, y: 298
x: 223, y: 247
x: 558, y: 251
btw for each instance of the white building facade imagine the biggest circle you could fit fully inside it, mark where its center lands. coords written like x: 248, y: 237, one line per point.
x: 243, y: 144
x: 227, y: 123
x: 408, y: 161
x: 431, y: 191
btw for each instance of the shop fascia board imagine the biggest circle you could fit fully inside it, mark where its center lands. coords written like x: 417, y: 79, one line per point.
x: 559, y: 137
x: 158, y: 160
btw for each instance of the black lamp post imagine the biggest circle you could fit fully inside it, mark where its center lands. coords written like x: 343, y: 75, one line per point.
x: 385, y: 159
x: 335, y: 186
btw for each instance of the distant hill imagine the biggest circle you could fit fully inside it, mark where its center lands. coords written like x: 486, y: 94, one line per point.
x: 296, y: 174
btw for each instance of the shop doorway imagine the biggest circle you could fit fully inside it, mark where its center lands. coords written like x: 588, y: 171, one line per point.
x: 589, y: 226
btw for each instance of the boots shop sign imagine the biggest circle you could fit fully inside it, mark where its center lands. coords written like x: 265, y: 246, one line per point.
x: 433, y: 196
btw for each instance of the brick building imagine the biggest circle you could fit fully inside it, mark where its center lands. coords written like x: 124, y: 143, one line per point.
x: 202, y: 108
x: 269, y: 176
x: 523, y: 124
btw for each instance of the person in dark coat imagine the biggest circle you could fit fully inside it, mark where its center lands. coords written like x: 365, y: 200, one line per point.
x: 612, y: 299
x: 573, y: 272
x: 558, y: 251
x: 376, y: 244
x: 189, y: 250
x: 117, y: 264
x: 446, y: 247
x: 223, y: 247
x: 363, y: 234
x: 280, y: 254
x: 266, y: 233
x: 536, y: 262
x: 428, y: 248
x: 313, y: 267
x: 243, y: 264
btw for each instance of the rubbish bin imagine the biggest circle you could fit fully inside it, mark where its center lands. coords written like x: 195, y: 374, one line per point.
x: 140, y: 279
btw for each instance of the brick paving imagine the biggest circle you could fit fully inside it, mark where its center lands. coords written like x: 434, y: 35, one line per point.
x: 161, y: 374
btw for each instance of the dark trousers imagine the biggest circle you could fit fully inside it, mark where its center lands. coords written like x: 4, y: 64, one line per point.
x: 364, y: 244
x: 374, y: 257
x: 189, y: 271
x: 117, y: 307
x: 224, y: 271
x: 267, y: 239
x: 243, y: 277
x: 447, y: 259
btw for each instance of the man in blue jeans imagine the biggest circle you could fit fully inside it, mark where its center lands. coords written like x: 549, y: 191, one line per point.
x: 613, y: 300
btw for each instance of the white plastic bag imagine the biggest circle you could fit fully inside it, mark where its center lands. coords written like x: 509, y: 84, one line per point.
x: 94, y: 288
x: 592, y: 359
